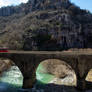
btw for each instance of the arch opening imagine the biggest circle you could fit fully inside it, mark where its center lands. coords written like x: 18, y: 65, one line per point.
x: 89, y: 76
x: 55, y: 71
x: 89, y: 79
x: 11, y: 78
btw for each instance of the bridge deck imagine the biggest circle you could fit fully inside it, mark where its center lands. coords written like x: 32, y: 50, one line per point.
x: 82, y: 52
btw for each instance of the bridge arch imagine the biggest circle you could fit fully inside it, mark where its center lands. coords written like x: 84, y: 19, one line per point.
x: 58, y: 68
x: 89, y: 75
x: 10, y: 65
x: 84, y: 67
x: 88, y: 79
x: 35, y: 59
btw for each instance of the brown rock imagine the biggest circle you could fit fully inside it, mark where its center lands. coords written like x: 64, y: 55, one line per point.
x: 5, y: 64
x: 56, y: 67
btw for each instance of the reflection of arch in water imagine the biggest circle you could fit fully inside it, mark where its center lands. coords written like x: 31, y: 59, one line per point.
x: 12, y: 74
x: 60, y: 69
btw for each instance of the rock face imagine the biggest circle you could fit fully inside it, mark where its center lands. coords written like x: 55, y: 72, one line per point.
x: 64, y: 75
x: 60, y: 30
x: 46, y: 25
x: 48, y: 4
x: 6, y: 11
x: 5, y: 64
x: 56, y: 67
x: 10, y: 10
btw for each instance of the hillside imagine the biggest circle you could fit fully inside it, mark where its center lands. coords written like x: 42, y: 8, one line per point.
x: 46, y: 25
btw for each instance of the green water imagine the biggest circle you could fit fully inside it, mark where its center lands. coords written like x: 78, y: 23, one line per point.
x: 43, y: 78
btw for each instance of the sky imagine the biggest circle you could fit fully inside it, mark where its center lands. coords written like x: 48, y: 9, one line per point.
x: 83, y: 4
x: 11, y: 2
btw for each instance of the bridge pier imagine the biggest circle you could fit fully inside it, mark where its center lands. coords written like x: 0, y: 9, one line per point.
x: 28, y: 82
x: 81, y: 84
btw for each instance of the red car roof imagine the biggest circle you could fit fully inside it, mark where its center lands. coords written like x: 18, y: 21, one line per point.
x: 3, y: 50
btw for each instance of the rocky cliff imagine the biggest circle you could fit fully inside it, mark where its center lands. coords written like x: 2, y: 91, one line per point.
x: 10, y: 10
x: 47, y: 25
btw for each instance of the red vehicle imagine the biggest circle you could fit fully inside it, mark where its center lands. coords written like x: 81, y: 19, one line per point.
x: 3, y: 49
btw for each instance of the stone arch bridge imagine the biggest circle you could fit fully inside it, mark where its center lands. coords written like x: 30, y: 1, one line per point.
x: 28, y: 61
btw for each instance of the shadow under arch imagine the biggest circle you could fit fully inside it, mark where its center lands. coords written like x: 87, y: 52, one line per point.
x: 12, y: 77
x: 57, y: 68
